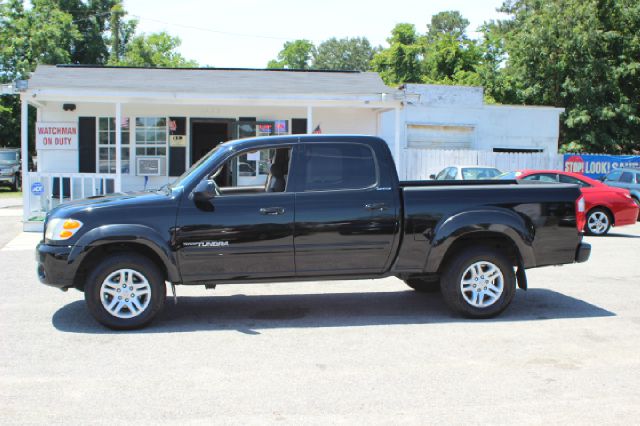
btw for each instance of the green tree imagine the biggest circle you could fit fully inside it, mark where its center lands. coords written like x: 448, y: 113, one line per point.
x: 344, y: 54
x: 584, y: 56
x: 296, y: 54
x: 91, y: 19
x: 450, y: 56
x: 450, y: 23
x: 43, y: 34
x: 401, y: 61
x: 154, y: 50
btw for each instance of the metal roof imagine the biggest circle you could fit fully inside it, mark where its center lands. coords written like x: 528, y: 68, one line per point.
x: 242, y: 82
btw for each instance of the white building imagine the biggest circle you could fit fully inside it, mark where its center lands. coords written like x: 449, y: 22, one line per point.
x: 164, y: 120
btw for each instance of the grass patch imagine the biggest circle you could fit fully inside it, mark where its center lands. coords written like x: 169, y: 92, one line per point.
x: 7, y: 193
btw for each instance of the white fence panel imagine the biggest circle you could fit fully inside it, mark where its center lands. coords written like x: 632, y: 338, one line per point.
x: 419, y: 164
x: 53, y: 189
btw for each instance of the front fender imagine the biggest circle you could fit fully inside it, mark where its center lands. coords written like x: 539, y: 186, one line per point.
x: 127, y: 233
x: 496, y: 221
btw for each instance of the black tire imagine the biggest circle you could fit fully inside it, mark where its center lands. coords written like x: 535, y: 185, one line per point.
x: 422, y: 285
x: 453, y: 275
x: 140, y: 264
x: 17, y: 184
x: 592, y: 215
x: 637, y: 201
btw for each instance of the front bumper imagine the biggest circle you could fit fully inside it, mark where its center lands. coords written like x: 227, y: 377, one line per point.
x: 583, y: 252
x: 6, y: 179
x: 53, y: 266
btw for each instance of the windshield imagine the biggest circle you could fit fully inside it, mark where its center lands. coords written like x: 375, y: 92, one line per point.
x: 474, y: 173
x: 8, y: 156
x: 183, y: 177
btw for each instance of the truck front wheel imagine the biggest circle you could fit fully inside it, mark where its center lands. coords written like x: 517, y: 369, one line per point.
x: 125, y: 291
x: 478, y: 282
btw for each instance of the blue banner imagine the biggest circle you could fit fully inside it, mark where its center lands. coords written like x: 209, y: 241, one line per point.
x: 598, y: 165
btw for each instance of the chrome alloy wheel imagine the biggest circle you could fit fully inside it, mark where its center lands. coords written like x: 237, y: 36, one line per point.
x: 125, y: 293
x: 482, y: 284
x: 598, y: 222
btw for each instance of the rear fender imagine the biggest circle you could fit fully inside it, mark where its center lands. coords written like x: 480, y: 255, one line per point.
x: 495, y: 221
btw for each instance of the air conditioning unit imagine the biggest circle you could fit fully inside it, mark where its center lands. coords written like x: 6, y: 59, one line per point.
x: 150, y: 166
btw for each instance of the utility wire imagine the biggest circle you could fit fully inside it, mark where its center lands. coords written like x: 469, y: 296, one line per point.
x: 192, y: 27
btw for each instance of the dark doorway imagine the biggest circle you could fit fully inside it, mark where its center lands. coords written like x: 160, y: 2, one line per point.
x: 206, y: 134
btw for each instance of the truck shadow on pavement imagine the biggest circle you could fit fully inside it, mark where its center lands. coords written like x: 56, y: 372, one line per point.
x: 618, y: 235
x: 249, y: 314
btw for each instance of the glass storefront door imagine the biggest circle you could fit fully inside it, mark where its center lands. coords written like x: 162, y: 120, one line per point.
x: 252, y: 169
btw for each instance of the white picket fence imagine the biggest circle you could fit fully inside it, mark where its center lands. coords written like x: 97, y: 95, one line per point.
x: 44, y: 191
x: 419, y: 164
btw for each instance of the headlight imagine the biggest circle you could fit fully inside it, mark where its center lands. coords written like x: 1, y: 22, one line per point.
x: 62, y: 229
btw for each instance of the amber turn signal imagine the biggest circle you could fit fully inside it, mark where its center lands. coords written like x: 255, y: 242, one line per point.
x: 66, y: 234
x: 71, y: 224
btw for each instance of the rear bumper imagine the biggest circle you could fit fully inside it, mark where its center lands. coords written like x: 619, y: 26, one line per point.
x: 583, y: 252
x: 53, y: 267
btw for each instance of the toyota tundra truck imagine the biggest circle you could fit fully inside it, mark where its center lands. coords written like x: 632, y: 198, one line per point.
x: 331, y: 208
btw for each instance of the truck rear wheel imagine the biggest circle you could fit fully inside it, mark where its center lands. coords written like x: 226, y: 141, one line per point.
x: 125, y: 291
x: 423, y: 285
x: 478, y: 282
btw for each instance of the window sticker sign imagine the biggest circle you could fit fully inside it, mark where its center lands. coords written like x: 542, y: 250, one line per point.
x: 56, y: 135
x: 598, y: 165
x: 37, y: 188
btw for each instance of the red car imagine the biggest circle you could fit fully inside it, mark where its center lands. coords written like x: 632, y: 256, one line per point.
x: 605, y: 205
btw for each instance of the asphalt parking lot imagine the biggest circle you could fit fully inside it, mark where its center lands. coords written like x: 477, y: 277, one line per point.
x: 362, y: 352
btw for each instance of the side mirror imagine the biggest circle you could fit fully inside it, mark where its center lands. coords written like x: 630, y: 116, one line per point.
x: 603, y: 178
x: 204, y: 191
x: 432, y: 177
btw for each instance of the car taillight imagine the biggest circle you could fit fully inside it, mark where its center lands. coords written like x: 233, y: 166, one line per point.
x: 581, y: 217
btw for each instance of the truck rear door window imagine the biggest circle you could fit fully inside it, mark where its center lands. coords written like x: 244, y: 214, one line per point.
x: 330, y: 167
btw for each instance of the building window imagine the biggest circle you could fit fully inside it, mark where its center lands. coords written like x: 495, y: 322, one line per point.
x: 151, y: 136
x: 107, y: 145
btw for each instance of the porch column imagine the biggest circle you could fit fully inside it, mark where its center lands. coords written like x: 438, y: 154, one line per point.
x: 402, y: 174
x: 118, y: 183
x: 309, y: 120
x: 24, y: 144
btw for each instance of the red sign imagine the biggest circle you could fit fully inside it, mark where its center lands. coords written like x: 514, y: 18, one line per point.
x: 574, y: 164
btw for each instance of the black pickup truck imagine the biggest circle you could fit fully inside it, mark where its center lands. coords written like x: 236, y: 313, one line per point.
x: 331, y: 208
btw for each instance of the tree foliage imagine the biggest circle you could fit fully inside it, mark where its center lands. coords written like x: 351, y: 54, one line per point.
x: 154, y: 50
x: 584, y: 56
x: 344, y: 54
x: 296, y: 54
x: 401, y: 62
x: 70, y: 31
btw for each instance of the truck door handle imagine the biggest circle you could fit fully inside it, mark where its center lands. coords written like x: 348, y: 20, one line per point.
x: 376, y: 206
x: 272, y: 211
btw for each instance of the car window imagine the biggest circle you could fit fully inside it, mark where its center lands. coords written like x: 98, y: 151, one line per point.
x: 452, y: 174
x: 473, y: 173
x: 626, y: 177
x: 574, y: 181
x: 614, y: 176
x: 542, y: 177
x: 442, y: 174
x: 338, y: 166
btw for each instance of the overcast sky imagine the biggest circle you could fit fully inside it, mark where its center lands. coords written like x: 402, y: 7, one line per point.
x: 248, y: 33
